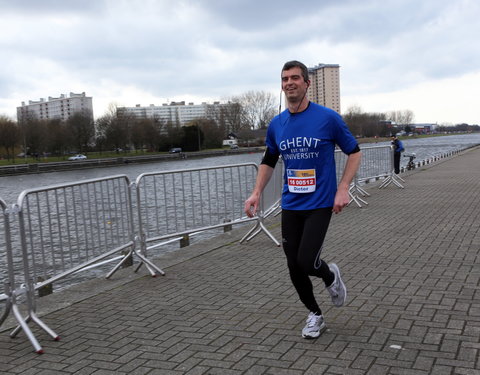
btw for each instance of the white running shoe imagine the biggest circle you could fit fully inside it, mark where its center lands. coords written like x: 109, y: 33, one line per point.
x: 337, y: 290
x: 314, y: 327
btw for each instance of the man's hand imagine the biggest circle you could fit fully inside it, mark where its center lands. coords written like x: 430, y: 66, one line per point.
x: 251, y: 205
x: 263, y: 176
x: 342, y: 198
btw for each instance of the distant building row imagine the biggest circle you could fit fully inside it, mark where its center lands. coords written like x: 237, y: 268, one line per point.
x: 61, y: 108
x: 175, y: 112
x: 324, y: 89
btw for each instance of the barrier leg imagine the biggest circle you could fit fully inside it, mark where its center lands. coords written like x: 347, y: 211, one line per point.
x: 249, y: 235
x: 24, y: 326
x: 138, y: 267
x: 119, y: 264
x: 259, y: 227
x: 152, y: 268
x: 354, y: 191
x: 32, y: 316
x: 362, y: 191
x: 357, y: 200
x: 253, y: 234
x: 274, y: 210
x: 392, y: 178
x: 6, y: 311
x: 8, y: 303
x: 267, y: 232
x: 43, y: 326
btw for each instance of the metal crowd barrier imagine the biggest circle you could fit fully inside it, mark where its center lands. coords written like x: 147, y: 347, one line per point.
x: 14, y: 289
x: 376, y: 163
x: 355, y: 190
x: 176, y: 204
x: 392, y: 177
x: 272, y: 193
x: 5, y: 258
x: 271, y: 198
x: 67, y: 228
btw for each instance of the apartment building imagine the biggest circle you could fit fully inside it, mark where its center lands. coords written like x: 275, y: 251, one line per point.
x: 61, y: 108
x: 177, y: 113
x: 325, y: 85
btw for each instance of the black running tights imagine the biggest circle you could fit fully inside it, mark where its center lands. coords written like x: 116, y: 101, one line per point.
x: 303, y: 233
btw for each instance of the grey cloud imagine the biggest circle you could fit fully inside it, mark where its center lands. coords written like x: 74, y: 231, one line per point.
x: 39, y: 8
x: 222, y: 47
x: 249, y: 15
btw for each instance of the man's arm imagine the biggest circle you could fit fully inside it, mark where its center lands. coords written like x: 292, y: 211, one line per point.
x: 342, y: 197
x: 263, y: 176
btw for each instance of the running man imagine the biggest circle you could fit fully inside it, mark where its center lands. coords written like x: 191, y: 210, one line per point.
x: 305, y: 135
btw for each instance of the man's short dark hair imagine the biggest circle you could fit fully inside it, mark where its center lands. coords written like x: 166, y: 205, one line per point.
x: 297, y: 64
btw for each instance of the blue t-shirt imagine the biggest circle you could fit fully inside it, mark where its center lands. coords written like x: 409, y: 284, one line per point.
x: 306, y: 141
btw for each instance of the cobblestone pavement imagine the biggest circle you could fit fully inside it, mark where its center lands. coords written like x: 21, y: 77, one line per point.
x: 409, y: 260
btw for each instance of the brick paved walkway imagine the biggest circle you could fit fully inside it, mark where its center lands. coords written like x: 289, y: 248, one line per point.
x: 409, y: 260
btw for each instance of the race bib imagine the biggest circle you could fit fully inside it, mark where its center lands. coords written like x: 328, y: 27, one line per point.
x: 301, y: 180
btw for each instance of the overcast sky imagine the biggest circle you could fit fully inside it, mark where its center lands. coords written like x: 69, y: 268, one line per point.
x: 422, y: 55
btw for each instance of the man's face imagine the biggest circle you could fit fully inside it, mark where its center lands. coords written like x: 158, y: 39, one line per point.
x: 293, y: 84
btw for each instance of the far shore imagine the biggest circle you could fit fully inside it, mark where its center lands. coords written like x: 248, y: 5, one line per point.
x: 140, y: 156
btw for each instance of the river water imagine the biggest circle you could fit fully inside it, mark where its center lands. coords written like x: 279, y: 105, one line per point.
x: 12, y: 186
x: 426, y: 148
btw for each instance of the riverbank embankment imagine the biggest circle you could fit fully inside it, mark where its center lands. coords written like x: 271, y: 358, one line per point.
x: 18, y: 169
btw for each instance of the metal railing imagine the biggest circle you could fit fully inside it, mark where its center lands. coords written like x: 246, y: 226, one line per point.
x: 176, y: 204
x: 5, y: 258
x: 14, y: 289
x: 377, y: 162
x: 271, y: 200
x: 67, y: 228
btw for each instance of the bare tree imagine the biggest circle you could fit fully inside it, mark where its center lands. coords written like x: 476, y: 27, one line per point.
x: 113, y: 130
x: 211, y: 132
x: 364, y: 124
x: 25, y: 122
x: 146, y: 133
x: 82, y: 131
x: 58, y: 140
x: 126, y: 122
x: 102, y: 127
x: 174, y: 136
x: 9, y: 136
x: 35, y: 136
x: 227, y: 116
x: 402, y: 117
x: 353, y: 118
x: 258, y: 108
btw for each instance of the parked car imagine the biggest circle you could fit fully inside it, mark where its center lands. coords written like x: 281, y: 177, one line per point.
x: 233, y: 147
x: 77, y: 157
x: 175, y: 150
